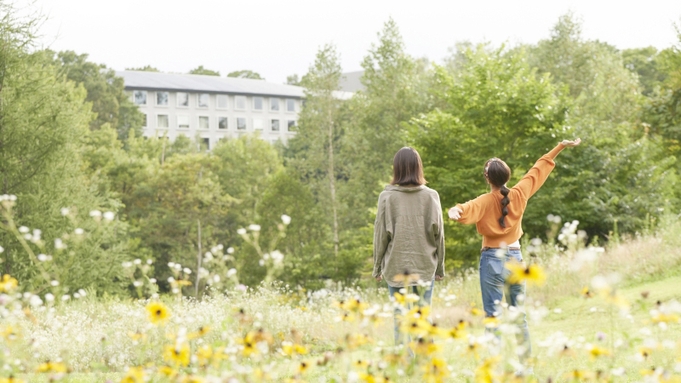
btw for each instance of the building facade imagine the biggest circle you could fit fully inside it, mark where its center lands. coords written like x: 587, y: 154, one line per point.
x: 210, y: 108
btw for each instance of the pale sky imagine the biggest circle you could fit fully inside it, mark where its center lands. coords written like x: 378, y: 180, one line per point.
x: 277, y: 38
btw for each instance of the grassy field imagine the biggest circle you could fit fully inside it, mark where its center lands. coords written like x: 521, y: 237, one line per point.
x: 600, y: 316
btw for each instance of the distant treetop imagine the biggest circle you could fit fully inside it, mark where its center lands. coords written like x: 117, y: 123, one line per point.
x: 146, y: 68
x: 207, y: 72
x: 245, y: 74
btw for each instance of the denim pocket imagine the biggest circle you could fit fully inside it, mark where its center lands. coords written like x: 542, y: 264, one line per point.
x: 496, y: 265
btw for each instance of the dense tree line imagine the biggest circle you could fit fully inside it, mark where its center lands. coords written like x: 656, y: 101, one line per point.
x: 70, y: 138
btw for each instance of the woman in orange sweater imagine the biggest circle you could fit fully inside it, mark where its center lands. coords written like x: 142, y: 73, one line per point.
x: 498, y: 217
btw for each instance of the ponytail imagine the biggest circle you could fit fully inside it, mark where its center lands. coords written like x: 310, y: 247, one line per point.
x: 497, y: 174
x: 504, y: 205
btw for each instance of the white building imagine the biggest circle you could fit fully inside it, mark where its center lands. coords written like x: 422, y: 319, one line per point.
x: 210, y: 108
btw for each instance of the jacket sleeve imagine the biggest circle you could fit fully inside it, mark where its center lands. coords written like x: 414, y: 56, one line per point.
x: 381, y: 238
x: 471, y: 211
x: 537, y: 175
x: 439, y: 230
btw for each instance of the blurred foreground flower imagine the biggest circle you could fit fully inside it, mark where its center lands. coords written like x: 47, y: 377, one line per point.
x: 158, y: 313
x: 8, y: 283
x: 521, y: 273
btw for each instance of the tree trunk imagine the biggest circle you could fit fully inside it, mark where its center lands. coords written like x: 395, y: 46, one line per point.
x: 332, y: 188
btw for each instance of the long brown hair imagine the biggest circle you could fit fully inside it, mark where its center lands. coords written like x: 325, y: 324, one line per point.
x: 497, y: 174
x: 407, y: 168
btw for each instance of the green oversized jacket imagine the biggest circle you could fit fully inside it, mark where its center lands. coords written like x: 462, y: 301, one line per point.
x: 408, y: 234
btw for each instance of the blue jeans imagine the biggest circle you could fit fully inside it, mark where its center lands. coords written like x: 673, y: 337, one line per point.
x: 493, y: 282
x: 424, y: 301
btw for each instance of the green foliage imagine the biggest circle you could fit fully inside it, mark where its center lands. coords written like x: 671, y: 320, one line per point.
x: 496, y: 106
x: 245, y: 74
x: 110, y: 104
x: 146, y: 68
x: 645, y: 63
x: 204, y: 71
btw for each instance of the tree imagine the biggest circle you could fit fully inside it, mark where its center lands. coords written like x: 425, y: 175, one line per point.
x: 146, y: 68
x: 619, y: 176
x: 201, y: 70
x: 316, y: 143
x: 245, y: 74
x: 644, y: 62
x: 496, y: 106
x: 105, y: 92
x: 43, y: 124
x: 293, y: 80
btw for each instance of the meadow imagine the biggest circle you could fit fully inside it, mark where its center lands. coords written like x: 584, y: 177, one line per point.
x: 606, y: 315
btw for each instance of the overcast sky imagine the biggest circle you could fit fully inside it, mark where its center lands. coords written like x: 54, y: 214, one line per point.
x: 277, y: 38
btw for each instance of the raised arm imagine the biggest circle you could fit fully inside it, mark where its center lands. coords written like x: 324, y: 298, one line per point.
x: 537, y: 175
x: 469, y: 212
x: 439, y: 230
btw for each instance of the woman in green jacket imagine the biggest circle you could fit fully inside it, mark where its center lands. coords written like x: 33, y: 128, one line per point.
x: 408, y: 232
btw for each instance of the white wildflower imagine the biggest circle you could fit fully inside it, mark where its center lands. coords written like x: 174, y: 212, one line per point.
x: 64, y: 211
x: 65, y: 297
x: 241, y: 231
x: 230, y: 250
x: 95, y: 214
x: 285, y: 219
x: 152, y: 281
x: 54, y: 283
x: 126, y: 264
x: 138, y: 284
x: 59, y: 244
x: 23, y: 230
x: 149, y: 261
x: 231, y: 273
x: 109, y: 216
x: 137, y: 261
x: 82, y: 292
x: 79, y: 231
x: 49, y: 297
x: 253, y: 227
x: 187, y: 270
x: 2, y: 249
x: 42, y: 257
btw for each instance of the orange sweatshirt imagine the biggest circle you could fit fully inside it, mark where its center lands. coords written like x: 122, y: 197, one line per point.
x: 485, y: 210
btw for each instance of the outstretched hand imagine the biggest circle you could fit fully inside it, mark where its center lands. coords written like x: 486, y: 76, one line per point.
x: 455, y: 213
x: 571, y: 144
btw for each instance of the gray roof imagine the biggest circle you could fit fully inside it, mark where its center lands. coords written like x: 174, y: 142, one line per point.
x: 351, y: 81
x: 207, y: 84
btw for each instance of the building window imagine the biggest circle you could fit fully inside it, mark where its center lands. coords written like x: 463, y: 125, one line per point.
x: 182, y: 99
x: 222, y: 123
x: 140, y: 97
x: 274, y: 104
x: 241, y: 123
x: 290, y: 105
x: 240, y: 102
x: 257, y: 103
x: 161, y: 98
x: 162, y: 121
x: 183, y: 122
x: 204, y: 122
x: 204, y: 99
x: 206, y: 143
x: 222, y: 101
x: 275, y: 125
x: 292, y: 127
x: 144, y: 120
x: 257, y: 124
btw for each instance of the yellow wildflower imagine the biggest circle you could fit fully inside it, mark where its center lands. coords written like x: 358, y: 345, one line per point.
x: 405, y: 299
x: 192, y: 379
x: 52, y: 367
x: 435, y: 371
x: 137, y: 336
x: 177, y: 354
x: 485, y: 372
x: 7, y: 284
x: 521, y: 273
x: 406, y: 277
x: 579, y: 375
x: 491, y: 322
x: 665, y: 318
x: 356, y: 340
x: 134, y: 375
x: 291, y: 349
x: 424, y: 347
x: 9, y: 333
x: 586, y: 293
x: 11, y: 379
x: 167, y: 371
x: 158, y: 312
x: 596, y: 351
x: 203, y: 330
x: 303, y: 367
x: 204, y: 354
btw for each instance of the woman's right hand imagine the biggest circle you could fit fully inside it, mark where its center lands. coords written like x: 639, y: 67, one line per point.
x: 571, y: 144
